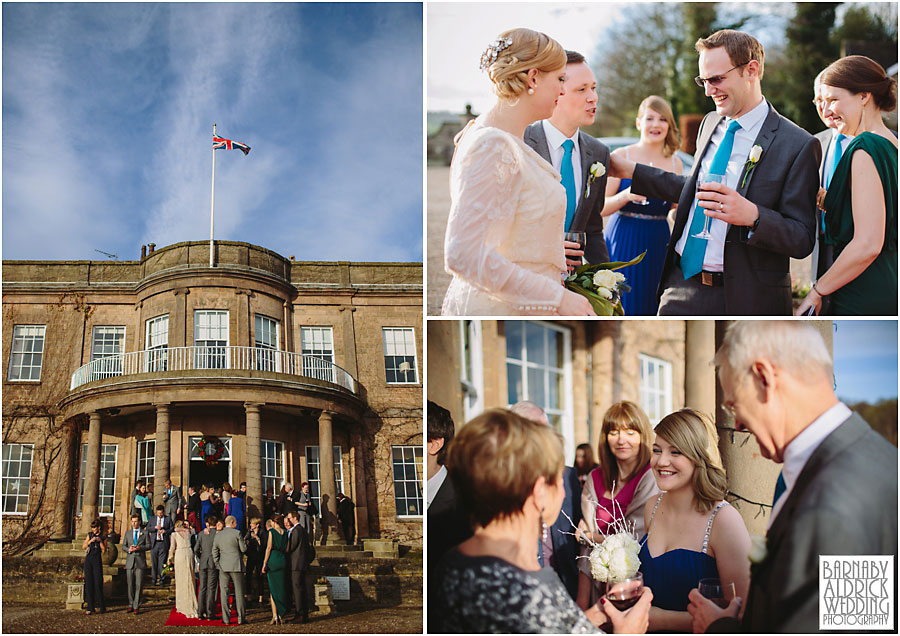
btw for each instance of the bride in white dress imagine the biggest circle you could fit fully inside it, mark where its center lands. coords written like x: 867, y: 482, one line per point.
x: 181, y: 555
x: 504, y: 241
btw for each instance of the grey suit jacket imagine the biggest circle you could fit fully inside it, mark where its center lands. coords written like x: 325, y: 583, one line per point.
x: 203, y: 549
x: 174, y: 501
x: 228, y: 546
x: 138, y: 559
x: 587, y: 215
x: 298, y: 549
x: 783, y: 186
x: 844, y: 503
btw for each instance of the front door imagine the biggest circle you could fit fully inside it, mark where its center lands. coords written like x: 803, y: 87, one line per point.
x: 214, y: 473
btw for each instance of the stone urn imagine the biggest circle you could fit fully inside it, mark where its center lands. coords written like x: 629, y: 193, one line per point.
x: 324, y: 598
x: 112, y: 552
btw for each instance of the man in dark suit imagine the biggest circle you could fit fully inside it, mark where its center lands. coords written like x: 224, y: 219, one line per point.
x: 160, y: 528
x: 840, y: 476
x: 136, y: 543
x: 298, y: 560
x: 760, y: 218
x: 209, y: 574
x: 347, y: 517
x: 574, y: 153
x: 560, y: 549
x: 448, y: 521
x: 173, y: 500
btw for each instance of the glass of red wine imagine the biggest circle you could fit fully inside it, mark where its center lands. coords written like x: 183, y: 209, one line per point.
x: 719, y: 593
x: 625, y: 592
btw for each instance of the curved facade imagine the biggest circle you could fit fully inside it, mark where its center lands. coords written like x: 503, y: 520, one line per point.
x: 302, y: 371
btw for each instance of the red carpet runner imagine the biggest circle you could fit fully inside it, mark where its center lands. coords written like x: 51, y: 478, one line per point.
x: 180, y: 620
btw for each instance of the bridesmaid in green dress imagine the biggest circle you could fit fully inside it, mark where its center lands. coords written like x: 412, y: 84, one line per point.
x: 273, y: 567
x: 861, y: 202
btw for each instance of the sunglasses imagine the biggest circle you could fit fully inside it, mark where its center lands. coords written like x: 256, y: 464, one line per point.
x: 717, y: 79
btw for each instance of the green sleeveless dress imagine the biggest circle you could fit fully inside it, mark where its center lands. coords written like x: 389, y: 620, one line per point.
x: 874, y: 291
x: 275, y: 571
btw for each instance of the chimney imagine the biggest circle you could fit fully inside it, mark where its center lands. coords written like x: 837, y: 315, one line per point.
x: 143, y: 252
x: 151, y: 246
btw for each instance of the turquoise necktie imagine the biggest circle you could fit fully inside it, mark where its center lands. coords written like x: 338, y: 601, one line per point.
x: 695, y: 248
x: 135, y: 537
x: 838, y: 152
x: 567, y: 172
x: 780, y: 487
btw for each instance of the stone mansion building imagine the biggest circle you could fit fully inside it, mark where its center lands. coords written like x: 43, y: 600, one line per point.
x: 259, y: 369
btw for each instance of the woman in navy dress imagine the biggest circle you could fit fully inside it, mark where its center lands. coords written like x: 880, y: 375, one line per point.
x: 94, y: 545
x: 705, y: 536
x: 635, y: 223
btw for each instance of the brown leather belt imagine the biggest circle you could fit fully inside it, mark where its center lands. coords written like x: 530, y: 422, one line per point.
x: 710, y: 279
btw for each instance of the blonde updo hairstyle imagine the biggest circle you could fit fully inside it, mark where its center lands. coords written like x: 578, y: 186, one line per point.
x: 496, y: 459
x: 694, y: 435
x: 529, y: 49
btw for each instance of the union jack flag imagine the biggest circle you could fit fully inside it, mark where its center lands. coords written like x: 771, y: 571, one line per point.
x: 228, y: 144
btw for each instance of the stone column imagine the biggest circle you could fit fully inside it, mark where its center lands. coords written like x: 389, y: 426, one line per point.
x: 327, y: 494
x: 699, y: 374
x: 360, y: 496
x: 63, y: 512
x: 161, y: 459
x: 254, y: 461
x: 89, y: 505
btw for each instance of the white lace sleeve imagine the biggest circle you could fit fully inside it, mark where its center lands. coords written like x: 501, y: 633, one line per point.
x: 484, y: 209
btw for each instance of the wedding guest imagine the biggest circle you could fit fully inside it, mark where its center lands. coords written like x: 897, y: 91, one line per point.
x: 173, y: 500
x: 504, y: 240
x: 136, y: 543
x: 637, y: 224
x: 209, y: 574
x: 558, y: 547
x: 205, y: 503
x: 94, y: 545
x: 274, y: 564
x: 160, y: 539
x: 142, y: 503
x: 762, y: 216
x: 194, y: 507
x: 135, y: 509
x: 584, y: 463
x: 237, y: 507
x: 304, y: 507
x: 508, y: 471
x: 269, y: 504
x: 694, y: 533
x: 573, y: 153
x: 255, y: 552
x: 228, y: 553
x: 182, y: 558
x: 218, y: 506
x: 299, y: 557
x: 618, y: 488
x: 840, y: 476
x: 861, y: 202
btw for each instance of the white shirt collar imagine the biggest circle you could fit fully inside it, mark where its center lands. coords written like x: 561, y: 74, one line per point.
x: 802, y: 447
x: 754, y: 117
x: 556, y: 138
x: 434, y: 484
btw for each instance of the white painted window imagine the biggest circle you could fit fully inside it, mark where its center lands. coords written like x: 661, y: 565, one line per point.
x: 107, y: 344
x: 317, y: 342
x: 211, y: 339
x: 16, y: 477
x: 655, y: 387
x: 539, y: 369
x: 27, y: 354
x: 108, y: 460
x: 158, y: 343
x: 400, y: 355
x: 313, y: 474
x: 471, y: 369
x: 266, y: 340
x: 408, y: 476
x: 146, y: 461
x: 272, y: 454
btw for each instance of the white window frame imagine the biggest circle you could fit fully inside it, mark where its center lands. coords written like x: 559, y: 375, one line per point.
x: 194, y: 455
x: 113, y: 365
x: 157, y: 343
x: 416, y: 484
x: 318, y: 342
x: 277, y: 456
x: 656, y: 400
x: 266, y: 358
x: 23, y: 336
x: 211, y: 352
x: 392, y: 349
x: 150, y: 458
x: 566, y: 399
x: 104, y: 450
x: 471, y: 368
x: 314, y: 483
x: 8, y: 478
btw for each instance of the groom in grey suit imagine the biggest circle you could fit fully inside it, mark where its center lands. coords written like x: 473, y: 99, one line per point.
x: 762, y: 216
x: 228, y: 548
x: 840, y: 476
x: 576, y: 108
x: 135, y: 562
x: 209, y: 574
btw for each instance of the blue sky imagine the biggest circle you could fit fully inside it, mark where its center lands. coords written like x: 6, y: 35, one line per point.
x: 865, y: 359
x: 107, y: 128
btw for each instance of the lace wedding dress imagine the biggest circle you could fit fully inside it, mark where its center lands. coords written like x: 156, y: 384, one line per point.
x: 504, y: 241
x: 182, y: 555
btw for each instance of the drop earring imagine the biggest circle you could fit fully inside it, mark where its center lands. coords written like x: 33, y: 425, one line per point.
x: 543, y: 527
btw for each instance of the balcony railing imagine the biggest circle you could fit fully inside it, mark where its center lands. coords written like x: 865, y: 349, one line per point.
x: 203, y: 357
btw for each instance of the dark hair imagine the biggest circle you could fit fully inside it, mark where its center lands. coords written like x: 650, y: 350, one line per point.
x: 160, y: 507
x: 138, y: 517
x: 305, y: 483
x: 95, y: 524
x: 574, y: 57
x: 278, y: 519
x: 211, y: 520
x: 440, y: 426
x: 860, y: 74
x: 243, y: 483
x: 741, y: 47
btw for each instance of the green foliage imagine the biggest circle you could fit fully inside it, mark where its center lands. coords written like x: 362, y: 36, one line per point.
x: 698, y: 19
x: 863, y: 23
x: 881, y: 416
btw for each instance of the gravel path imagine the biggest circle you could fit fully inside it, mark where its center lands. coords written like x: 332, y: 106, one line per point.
x: 23, y: 618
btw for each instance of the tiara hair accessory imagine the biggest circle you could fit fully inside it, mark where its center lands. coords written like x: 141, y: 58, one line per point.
x: 493, y: 50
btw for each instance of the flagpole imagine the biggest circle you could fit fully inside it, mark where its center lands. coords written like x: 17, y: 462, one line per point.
x: 212, y: 203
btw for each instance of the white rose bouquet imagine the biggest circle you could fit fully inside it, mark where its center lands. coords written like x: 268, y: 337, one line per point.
x: 602, y: 285
x: 616, y: 558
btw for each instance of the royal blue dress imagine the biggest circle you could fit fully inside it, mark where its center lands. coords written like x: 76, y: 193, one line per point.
x: 238, y: 509
x: 629, y: 232
x: 206, y: 508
